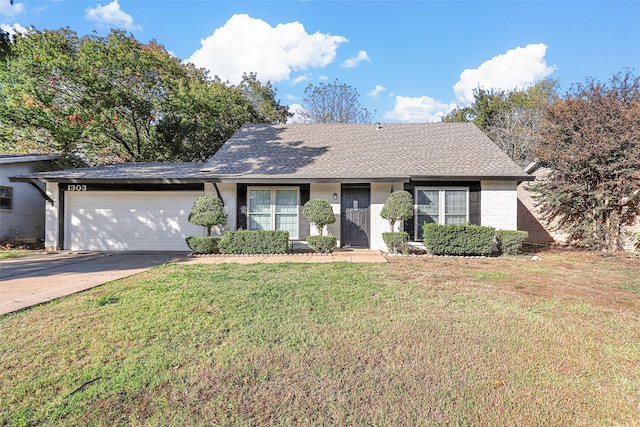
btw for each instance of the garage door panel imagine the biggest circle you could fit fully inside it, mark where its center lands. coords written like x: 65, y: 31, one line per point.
x: 130, y: 220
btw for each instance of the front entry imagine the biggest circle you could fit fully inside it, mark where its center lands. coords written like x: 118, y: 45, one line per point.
x: 355, y: 215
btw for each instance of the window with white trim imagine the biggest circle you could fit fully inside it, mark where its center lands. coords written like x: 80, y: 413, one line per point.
x: 273, y: 209
x: 6, y: 198
x: 448, y: 205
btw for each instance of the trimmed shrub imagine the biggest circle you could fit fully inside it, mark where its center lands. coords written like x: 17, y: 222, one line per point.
x: 461, y: 240
x: 396, y: 242
x: 254, y: 242
x: 322, y: 244
x: 510, y: 241
x: 319, y: 212
x: 203, y: 244
x: 398, y: 207
x: 208, y: 211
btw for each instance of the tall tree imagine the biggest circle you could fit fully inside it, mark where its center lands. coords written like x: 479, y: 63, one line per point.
x: 112, y: 99
x: 591, y: 145
x: 512, y: 119
x: 335, y: 102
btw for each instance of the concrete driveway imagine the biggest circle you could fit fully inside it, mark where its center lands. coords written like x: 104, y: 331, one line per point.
x: 38, y: 278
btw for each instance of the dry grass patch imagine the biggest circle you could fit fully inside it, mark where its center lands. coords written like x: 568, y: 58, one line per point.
x: 419, y: 341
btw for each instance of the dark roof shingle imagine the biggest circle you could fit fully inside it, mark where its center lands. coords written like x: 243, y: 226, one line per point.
x: 361, y: 151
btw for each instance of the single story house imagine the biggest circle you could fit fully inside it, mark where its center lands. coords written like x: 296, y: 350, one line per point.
x: 266, y: 173
x: 22, y: 205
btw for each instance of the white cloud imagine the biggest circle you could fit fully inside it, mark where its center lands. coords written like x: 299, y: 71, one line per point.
x: 14, y: 29
x: 7, y: 9
x: 323, y: 78
x: 297, y: 111
x: 418, y: 110
x: 245, y: 44
x: 112, y: 15
x: 376, y: 91
x: 356, y: 60
x: 517, y: 68
x: 301, y: 78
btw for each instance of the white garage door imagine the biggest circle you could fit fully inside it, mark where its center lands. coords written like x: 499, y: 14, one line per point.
x: 129, y: 220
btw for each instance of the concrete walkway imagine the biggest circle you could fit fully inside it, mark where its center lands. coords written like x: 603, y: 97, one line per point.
x: 45, y: 276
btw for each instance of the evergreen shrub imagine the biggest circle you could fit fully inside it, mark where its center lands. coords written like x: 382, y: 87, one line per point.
x: 510, y: 241
x: 396, y: 241
x: 322, y: 244
x: 203, y: 244
x: 254, y: 242
x: 461, y: 240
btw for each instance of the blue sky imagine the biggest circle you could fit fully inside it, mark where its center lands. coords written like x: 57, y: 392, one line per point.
x: 411, y: 61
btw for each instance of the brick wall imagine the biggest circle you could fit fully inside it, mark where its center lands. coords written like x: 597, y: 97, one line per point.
x: 499, y: 205
x: 326, y: 191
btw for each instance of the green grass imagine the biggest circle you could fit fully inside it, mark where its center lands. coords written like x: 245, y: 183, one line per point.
x: 13, y: 253
x: 415, y: 342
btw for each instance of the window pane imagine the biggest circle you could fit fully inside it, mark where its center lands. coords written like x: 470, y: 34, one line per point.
x: 288, y: 223
x: 6, y: 194
x: 455, y: 219
x: 428, y: 201
x: 260, y: 201
x: 286, y: 201
x: 428, y: 208
x: 259, y: 222
x: 455, y: 202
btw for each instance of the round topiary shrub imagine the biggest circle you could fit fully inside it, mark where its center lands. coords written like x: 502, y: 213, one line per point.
x: 208, y: 211
x: 319, y: 212
x: 398, y: 207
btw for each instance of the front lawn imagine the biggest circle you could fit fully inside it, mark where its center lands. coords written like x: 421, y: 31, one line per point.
x: 419, y: 341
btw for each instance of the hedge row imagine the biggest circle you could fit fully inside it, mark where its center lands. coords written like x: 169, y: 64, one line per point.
x: 204, y: 244
x: 322, y: 244
x: 461, y: 240
x: 510, y: 241
x: 254, y: 242
x: 471, y: 240
x: 396, y: 241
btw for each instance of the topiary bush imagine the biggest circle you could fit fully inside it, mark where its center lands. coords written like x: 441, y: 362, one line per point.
x: 208, y: 211
x: 510, y: 241
x: 322, y: 244
x: 254, y: 242
x: 319, y: 212
x: 203, y: 244
x: 461, y: 240
x: 396, y: 241
x: 398, y: 207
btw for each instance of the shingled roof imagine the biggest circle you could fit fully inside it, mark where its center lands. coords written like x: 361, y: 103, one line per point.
x: 166, y: 173
x: 352, y: 152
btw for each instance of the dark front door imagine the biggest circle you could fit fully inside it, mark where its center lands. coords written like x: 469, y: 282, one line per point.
x: 355, y: 216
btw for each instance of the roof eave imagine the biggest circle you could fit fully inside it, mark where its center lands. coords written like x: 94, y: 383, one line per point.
x: 472, y: 178
x: 68, y: 180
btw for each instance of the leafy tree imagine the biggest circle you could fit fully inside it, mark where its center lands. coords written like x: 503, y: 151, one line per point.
x: 319, y: 212
x: 5, y: 44
x: 511, y: 119
x: 591, y: 145
x: 261, y: 100
x: 208, y: 211
x: 113, y: 99
x: 334, y: 102
x: 398, y: 207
